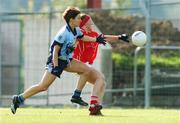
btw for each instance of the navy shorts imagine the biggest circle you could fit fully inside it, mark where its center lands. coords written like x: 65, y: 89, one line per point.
x: 61, y: 63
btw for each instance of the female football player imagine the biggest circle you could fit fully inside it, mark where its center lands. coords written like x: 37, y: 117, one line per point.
x: 87, y: 52
x: 60, y: 56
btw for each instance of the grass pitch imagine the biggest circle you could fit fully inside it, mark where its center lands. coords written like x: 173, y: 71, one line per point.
x: 66, y: 115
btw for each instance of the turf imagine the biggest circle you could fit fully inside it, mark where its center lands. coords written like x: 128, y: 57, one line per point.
x: 66, y: 115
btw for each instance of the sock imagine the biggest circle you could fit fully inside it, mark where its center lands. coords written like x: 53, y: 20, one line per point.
x: 77, y: 93
x: 94, y: 100
x: 20, y: 98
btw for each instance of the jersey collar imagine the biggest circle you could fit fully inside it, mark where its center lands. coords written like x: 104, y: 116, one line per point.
x: 70, y: 29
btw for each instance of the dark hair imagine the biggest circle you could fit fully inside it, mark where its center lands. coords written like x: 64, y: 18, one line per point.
x: 83, y: 15
x: 70, y: 12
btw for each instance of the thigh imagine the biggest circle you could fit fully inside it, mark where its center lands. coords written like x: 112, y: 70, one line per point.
x: 93, y: 75
x: 77, y: 67
x: 47, y: 79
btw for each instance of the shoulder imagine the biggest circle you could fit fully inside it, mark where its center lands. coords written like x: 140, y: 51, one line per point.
x: 61, y: 34
x: 63, y: 30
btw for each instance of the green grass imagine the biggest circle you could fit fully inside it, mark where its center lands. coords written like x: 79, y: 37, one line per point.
x: 38, y: 115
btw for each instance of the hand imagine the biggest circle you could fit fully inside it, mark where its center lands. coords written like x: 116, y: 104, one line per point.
x: 56, y: 71
x: 124, y: 37
x: 101, y: 39
x: 70, y: 50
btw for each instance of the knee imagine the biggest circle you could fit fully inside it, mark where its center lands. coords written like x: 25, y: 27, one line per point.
x: 88, y: 72
x: 103, y: 84
x: 101, y: 78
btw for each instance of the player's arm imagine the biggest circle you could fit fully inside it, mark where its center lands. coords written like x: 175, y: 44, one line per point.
x: 56, y: 49
x: 88, y: 38
x: 111, y: 37
x: 100, y: 39
x: 123, y: 37
x: 85, y: 37
x: 56, y: 68
x: 55, y: 55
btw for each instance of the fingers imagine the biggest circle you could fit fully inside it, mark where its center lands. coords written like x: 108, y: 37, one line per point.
x: 124, y: 37
x: 101, y: 39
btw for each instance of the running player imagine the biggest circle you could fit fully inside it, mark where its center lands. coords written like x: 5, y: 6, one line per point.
x: 60, y: 56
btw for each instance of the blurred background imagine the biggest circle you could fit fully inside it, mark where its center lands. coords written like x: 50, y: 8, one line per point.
x: 136, y: 77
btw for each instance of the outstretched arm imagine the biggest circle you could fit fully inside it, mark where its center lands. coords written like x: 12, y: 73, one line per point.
x: 111, y: 37
x: 123, y: 37
x: 100, y: 39
x: 88, y: 38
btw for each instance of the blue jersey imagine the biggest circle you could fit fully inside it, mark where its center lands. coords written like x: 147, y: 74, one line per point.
x: 66, y: 38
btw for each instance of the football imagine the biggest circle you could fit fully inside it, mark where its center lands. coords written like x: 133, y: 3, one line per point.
x: 139, y: 38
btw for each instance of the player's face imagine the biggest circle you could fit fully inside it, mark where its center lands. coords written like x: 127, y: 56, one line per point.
x: 77, y: 20
x: 89, y: 24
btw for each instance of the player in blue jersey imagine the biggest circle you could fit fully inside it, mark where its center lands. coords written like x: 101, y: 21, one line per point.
x: 60, y: 56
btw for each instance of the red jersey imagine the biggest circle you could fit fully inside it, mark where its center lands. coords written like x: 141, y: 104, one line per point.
x: 86, y: 51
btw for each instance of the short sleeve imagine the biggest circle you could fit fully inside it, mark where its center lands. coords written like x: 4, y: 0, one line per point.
x: 60, y: 37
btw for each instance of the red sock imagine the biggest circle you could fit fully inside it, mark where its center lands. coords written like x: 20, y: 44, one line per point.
x: 94, y: 100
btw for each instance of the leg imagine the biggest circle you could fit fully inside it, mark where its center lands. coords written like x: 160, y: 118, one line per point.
x: 76, y: 97
x: 89, y: 74
x: 81, y: 82
x: 93, y: 77
x: 81, y: 68
x: 78, y: 67
x: 97, y: 79
x: 46, y: 81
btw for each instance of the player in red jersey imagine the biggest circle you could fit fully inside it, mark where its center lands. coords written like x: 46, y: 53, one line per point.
x: 87, y: 52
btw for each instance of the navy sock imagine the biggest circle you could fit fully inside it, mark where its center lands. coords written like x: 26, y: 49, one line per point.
x: 77, y: 93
